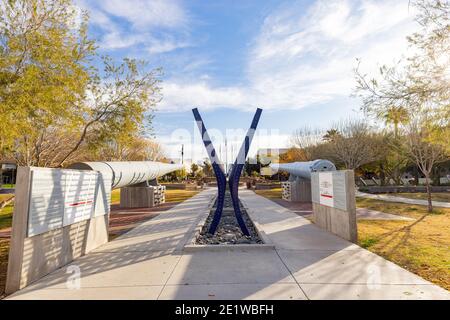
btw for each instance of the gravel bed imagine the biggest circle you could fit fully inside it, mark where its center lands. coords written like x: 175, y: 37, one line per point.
x: 228, y: 231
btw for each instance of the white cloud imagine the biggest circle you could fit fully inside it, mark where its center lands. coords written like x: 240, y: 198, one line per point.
x: 182, y: 96
x: 165, y: 45
x: 300, y: 58
x: 117, y: 40
x: 126, y: 24
x: 147, y: 13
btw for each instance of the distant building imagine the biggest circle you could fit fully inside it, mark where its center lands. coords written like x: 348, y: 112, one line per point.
x: 8, y: 170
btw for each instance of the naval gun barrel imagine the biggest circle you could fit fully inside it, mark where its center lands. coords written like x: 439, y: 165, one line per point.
x: 127, y: 173
x: 304, y: 169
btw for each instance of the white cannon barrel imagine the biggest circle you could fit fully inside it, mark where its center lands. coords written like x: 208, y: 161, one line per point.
x: 304, y: 169
x: 127, y: 173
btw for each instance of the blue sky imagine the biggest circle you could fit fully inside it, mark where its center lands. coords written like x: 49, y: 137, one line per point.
x: 294, y: 59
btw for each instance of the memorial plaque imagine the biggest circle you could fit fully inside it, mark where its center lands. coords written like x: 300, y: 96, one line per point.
x: 60, y: 198
x: 79, y: 196
x: 326, y: 194
x: 46, y: 209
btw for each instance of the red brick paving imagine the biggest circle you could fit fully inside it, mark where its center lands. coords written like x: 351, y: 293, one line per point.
x: 303, y: 209
x: 5, y: 233
x: 122, y: 220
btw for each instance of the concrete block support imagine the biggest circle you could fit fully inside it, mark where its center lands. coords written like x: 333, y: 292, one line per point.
x: 142, y: 197
x: 340, y: 218
x: 298, y: 190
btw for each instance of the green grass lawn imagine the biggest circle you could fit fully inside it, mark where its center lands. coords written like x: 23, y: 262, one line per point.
x: 171, y: 195
x: 6, y: 212
x: 8, y: 186
x: 420, y: 246
x: 270, y: 193
x: 115, y: 196
x: 437, y: 196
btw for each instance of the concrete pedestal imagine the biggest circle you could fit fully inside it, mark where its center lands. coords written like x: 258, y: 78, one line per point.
x: 339, y: 215
x: 298, y: 190
x: 142, y: 197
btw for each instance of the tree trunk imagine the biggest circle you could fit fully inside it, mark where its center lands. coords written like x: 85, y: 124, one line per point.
x: 382, y: 176
x: 430, y: 203
x: 396, y: 174
x: 416, y: 175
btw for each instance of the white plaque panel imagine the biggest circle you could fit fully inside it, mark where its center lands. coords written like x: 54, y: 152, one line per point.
x: 79, y: 201
x: 326, y: 194
x: 46, y: 200
x: 61, y: 197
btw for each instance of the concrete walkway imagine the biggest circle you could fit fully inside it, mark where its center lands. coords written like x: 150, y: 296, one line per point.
x: 389, y: 198
x: 307, y: 263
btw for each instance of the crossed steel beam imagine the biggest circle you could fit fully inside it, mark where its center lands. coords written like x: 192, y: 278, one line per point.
x: 234, y: 174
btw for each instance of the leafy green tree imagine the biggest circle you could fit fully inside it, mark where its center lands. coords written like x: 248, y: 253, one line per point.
x: 54, y: 104
x: 44, y: 72
x: 194, y: 169
x: 207, y: 168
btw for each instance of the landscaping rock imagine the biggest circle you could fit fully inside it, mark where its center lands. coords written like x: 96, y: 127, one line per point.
x: 228, y: 231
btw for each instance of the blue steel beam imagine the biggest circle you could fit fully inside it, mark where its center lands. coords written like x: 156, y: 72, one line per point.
x: 218, y: 171
x: 236, y: 171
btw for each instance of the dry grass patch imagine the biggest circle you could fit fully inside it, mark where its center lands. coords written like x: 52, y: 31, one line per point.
x: 171, y: 195
x: 179, y: 195
x: 437, y: 196
x: 403, y: 209
x: 421, y: 246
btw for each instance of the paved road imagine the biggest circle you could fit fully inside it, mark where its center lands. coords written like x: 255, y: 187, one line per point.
x: 389, y: 198
x: 307, y: 263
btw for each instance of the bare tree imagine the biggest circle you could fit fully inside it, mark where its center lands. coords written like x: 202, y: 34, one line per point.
x: 51, y: 146
x: 418, y: 83
x: 355, y: 145
x: 422, y: 151
x: 131, y: 149
x: 303, y: 141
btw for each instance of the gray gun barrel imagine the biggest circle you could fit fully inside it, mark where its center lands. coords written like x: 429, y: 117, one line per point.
x: 304, y: 169
x: 127, y: 173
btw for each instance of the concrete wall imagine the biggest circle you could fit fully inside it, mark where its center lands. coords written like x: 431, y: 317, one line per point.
x: 335, y: 220
x: 31, y: 258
